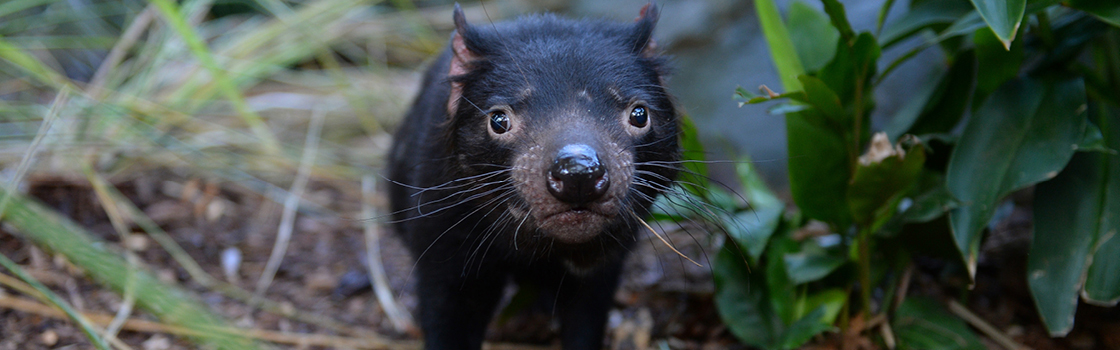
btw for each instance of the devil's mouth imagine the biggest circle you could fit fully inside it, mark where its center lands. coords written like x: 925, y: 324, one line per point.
x: 572, y: 216
x: 574, y: 225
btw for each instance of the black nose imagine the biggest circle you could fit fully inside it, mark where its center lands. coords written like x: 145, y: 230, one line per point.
x: 576, y: 175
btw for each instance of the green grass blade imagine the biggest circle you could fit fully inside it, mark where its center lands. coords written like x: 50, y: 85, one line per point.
x: 269, y: 48
x: 10, y: 7
x: 54, y: 299
x: 198, y: 48
x: 31, y: 65
x: 49, y: 230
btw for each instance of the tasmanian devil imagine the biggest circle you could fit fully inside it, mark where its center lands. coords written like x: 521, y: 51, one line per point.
x: 531, y: 154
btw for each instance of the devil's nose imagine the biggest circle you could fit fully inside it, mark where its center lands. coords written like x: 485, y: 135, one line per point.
x: 576, y: 175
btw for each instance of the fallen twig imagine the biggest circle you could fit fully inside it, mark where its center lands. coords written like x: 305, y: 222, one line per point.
x: 194, y: 270
x: 984, y: 327
x: 120, y: 49
x: 138, y: 325
x: 287, y: 219
x: 398, y: 316
x: 53, y: 232
x: 330, y: 341
x: 64, y: 311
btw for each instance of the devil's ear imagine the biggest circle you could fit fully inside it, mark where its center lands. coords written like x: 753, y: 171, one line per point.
x: 461, y: 58
x: 641, y: 35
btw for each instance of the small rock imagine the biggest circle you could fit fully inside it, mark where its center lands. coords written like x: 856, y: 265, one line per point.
x: 156, y: 342
x: 287, y: 308
x: 351, y: 283
x: 245, y: 322
x: 48, y: 338
x: 137, y: 242
x: 215, y: 209
x: 166, y: 211
x: 167, y: 276
x: 321, y: 280
x: 231, y: 263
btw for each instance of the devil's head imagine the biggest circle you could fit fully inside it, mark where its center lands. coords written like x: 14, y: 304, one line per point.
x: 567, y: 127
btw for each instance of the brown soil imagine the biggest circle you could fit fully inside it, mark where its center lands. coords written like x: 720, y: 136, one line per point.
x: 662, y: 297
x: 664, y: 302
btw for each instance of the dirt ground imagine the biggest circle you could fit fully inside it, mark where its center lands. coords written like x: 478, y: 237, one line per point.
x: 664, y: 302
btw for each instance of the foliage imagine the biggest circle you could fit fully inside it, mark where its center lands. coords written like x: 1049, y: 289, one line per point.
x: 1026, y: 97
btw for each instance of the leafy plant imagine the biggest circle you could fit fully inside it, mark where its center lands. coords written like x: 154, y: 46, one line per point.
x: 1027, y: 97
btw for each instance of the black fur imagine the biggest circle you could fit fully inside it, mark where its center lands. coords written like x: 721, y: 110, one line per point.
x: 469, y: 204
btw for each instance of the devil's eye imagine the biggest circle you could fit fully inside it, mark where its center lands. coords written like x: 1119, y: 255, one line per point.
x: 639, y: 117
x: 499, y: 122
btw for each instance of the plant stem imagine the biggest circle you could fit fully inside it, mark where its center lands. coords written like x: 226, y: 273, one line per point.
x: 1112, y: 62
x: 864, y: 272
x: 1044, y: 31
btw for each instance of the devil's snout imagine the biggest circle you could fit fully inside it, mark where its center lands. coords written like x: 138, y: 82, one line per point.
x: 577, y: 176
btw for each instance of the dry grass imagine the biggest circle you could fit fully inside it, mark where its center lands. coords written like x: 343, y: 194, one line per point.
x: 224, y: 98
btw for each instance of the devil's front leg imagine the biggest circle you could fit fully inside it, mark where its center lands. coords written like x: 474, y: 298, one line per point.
x: 457, y: 302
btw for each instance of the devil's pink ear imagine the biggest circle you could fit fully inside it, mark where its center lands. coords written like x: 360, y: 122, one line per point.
x: 641, y: 35
x: 461, y: 58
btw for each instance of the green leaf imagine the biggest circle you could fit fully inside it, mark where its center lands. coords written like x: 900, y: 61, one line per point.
x: 819, y: 168
x: 821, y: 97
x: 752, y: 229
x: 1102, y: 284
x: 756, y: 192
x: 788, y: 108
x: 746, y: 97
x: 883, y: 11
x: 819, y: 141
x: 804, y: 329
x: 1106, y: 10
x: 922, y: 324
x: 852, y: 68
x: 812, y: 35
x: 877, y: 186
x: 1093, y: 141
x: 783, y: 299
x: 1025, y: 132
x: 782, y: 51
x: 696, y: 171
x: 742, y: 301
x: 839, y: 19
x: 929, y: 205
x: 1067, y: 212
x: 947, y: 105
x: 969, y: 23
x: 909, y: 113
x: 832, y: 300
x: 814, y: 261
x: 923, y: 15
x: 1002, y: 16
x: 998, y: 64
